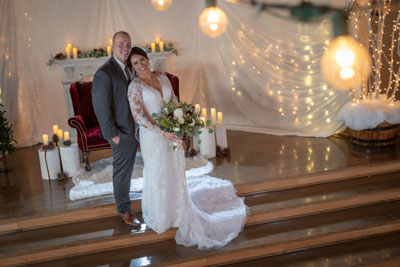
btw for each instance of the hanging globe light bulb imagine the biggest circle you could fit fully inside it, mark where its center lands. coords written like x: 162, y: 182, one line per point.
x: 346, y: 63
x: 212, y: 20
x: 161, y: 4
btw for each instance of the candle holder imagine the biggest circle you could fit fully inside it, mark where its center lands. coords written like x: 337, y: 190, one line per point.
x: 188, y: 145
x: 67, y: 142
x: 226, y: 152
x: 60, y: 176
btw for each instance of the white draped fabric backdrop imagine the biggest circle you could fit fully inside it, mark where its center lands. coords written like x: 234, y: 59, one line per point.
x: 262, y: 73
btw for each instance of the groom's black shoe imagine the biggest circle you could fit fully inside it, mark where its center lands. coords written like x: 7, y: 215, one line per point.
x: 130, y: 219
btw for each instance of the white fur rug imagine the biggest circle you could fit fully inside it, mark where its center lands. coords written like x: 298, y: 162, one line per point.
x: 98, y: 181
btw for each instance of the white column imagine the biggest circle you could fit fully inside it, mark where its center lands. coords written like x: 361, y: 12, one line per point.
x: 70, y: 159
x: 53, y: 163
x: 207, y: 145
x: 220, y: 135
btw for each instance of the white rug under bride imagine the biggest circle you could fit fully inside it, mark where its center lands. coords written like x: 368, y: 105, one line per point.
x: 98, y: 181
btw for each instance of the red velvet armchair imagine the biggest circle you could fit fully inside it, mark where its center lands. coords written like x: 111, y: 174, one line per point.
x: 85, y: 121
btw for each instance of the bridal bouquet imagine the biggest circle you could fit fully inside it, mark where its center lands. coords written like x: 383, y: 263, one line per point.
x: 180, y: 118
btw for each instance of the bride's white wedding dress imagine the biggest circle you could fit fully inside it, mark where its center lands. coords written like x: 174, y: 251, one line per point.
x: 206, y: 211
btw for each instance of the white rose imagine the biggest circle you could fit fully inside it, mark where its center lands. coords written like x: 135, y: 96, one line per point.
x: 165, y: 110
x: 181, y: 120
x: 178, y: 113
x: 176, y: 129
x: 192, y: 123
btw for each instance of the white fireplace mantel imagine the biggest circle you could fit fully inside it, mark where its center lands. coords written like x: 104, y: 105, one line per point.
x: 74, y: 70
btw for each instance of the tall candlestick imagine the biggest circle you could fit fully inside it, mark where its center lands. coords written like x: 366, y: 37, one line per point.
x: 45, y: 140
x: 108, y: 50
x: 153, y: 47
x: 204, y: 112
x: 219, y: 116
x: 161, y: 44
x: 55, y: 128
x: 197, y: 107
x: 60, y: 134
x: 68, y: 52
x: 110, y: 41
x: 75, y: 52
x: 66, y: 136
x: 213, y: 116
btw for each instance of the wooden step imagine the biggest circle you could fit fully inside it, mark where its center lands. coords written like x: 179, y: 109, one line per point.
x: 109, y: 232
x: 376, y: 251
x: 257, y: 241
x: 76, y: 215
x: 319, y: 198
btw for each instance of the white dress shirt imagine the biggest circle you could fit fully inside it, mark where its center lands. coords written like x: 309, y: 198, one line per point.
x: 122, y: 65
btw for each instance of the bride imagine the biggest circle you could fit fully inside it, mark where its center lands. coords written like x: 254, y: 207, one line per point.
x: 206, y: 211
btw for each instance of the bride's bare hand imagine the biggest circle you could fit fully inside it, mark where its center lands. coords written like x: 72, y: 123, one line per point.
x: 171, y: 136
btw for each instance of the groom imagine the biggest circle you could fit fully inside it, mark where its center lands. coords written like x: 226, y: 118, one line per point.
x: 110, y: 102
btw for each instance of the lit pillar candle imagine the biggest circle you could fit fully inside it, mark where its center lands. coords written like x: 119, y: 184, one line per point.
x: 75, y: 52
x: 60, y: 134
x: 45, y: 140
x: 213, y: 116
x: 203, y: 119
x: 161, y: 46
x: 158, y: 40
x: 66, y: 136
x: 197, y: 107
x: 153, y: 47
x: 219, y: 116
x: 108, y: 50
x: 55, y: 128
x: 68, y: 52
x: 69, y: 45
x: 204, y: 112
x: 110, y: 41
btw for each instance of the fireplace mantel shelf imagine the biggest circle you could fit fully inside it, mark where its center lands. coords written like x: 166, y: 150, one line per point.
x: 73, y: 70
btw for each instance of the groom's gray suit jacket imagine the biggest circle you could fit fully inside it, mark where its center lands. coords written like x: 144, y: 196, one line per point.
x: 110, y: 101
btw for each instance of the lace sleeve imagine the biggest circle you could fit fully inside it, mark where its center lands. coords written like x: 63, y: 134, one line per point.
x: 136, y: 105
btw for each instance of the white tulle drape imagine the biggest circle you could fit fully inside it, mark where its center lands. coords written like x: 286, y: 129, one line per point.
x: 8, y: 62
x: 262, y: 73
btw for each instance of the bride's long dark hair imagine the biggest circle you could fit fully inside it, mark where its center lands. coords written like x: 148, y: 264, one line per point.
x: 136, y: 50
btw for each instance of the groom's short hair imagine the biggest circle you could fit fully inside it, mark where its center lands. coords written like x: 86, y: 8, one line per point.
x: 120, y: 32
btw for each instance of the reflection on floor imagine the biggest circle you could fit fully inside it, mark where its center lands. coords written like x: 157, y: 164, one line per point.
x: 254, y: 157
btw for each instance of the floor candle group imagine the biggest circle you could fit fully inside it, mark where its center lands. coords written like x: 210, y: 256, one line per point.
x: 209, y: 141
x: 50, y: 158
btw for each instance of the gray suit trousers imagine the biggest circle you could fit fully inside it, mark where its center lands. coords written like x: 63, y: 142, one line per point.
x: 124, y: 155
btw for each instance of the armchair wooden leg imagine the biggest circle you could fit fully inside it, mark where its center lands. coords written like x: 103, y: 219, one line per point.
x: 86, y: 160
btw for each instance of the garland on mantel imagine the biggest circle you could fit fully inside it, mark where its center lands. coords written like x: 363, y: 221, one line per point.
x: 101, y: 52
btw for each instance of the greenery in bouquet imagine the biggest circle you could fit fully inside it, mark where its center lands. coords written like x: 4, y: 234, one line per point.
x: 180, y: 118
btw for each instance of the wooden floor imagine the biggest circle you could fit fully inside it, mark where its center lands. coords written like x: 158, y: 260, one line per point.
x: 312, y: 201
x: 255, y: 157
